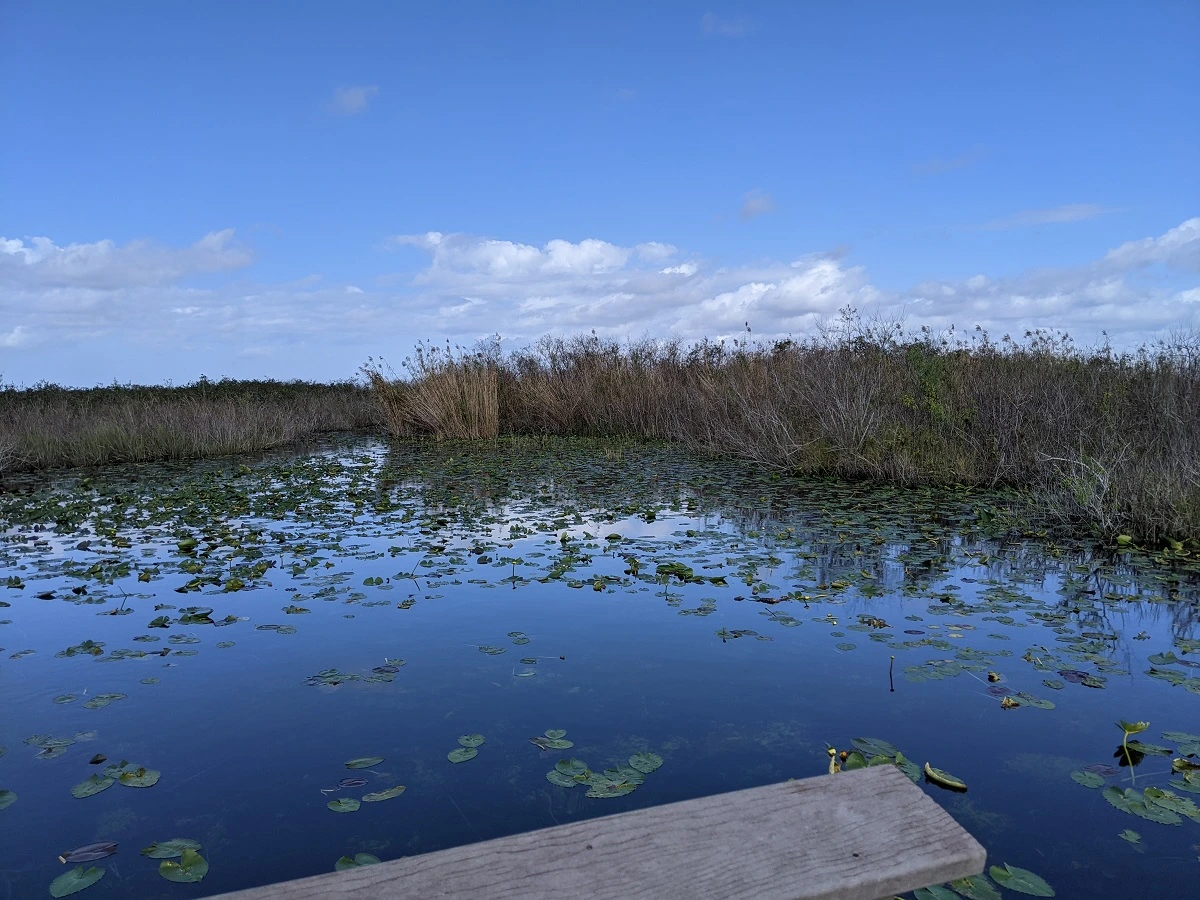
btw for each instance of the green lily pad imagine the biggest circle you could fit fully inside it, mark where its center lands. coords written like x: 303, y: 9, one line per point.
x: 1020, y: 880
x: 944, y: 779
x: 610, y: 790
x: 92, y: 786
x: 384, y: 795
x: 75, y: 880
x: 172, y: 849
x: 140, y: 777
x: 1130, y: 835
x: 977, y: 887
x: 344, y: 805
x: 7, y: 799
x: 556, y: 777
x: 935, y: 892
x: 191, y: 868
x: 471, y: 740
x: 571, y: 767
x: 873, y: 747
x: 363, y: 762
x: 102, y: 700
x: 645, y: 762
x: 1088, y: 779
x: 353, y: 862
x: 65, y: 698
x: 555, y: 733
x: 462, y: 754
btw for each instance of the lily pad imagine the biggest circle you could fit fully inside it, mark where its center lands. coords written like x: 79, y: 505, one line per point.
x: 1087, y: 779
x: 363, y: 762
x: 645, y: 762
x: 172, y: 849
x: 976, y: 887
x: 555, y: 733
x: 384, y: 795
x: 571, y: 767
x: 873, y: 747
x: 353, y: 862
x: 75, y: 880
x: 92, y: 786
x: 102, y: 700
x: 462, y: 754
x: 935, y: 892
x: 556, y: 777
x: 1130, y: 835
x: 139, y: 777
x: 191, y: 868
x: 1020, y: 880
x: 344, y: 805
x: 7, y: 799
x: 471, y: 740
x: 943, y: 779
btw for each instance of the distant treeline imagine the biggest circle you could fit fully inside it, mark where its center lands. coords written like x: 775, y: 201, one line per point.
x: 1097, y: 439
x: 46, y: 425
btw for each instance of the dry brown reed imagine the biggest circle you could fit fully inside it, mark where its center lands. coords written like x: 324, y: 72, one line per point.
x: 1101, y: 439
x: 49, y: 426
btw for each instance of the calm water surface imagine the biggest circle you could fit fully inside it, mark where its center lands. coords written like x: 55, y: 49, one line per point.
x: 376, y: 602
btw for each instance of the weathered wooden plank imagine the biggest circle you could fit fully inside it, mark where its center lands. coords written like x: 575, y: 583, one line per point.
x: 855, y: 836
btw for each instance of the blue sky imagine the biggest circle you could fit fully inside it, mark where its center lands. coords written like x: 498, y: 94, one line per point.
x: 249, y: 189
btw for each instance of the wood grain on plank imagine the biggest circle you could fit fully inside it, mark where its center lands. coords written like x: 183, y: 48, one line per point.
x: 854, y: 836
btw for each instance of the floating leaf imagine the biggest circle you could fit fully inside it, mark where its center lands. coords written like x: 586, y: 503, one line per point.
x: 1021, y: 880
x: 977, y: 887
x: 555, y: 733
x: 873, y: 747
x: 93, y: 785
x: 1087, y: 779
x: 1130, y: 835
x: 471, y: 740
x: 572, y: 767
x: 645, y: 762
x: 943, y: 779
x: 363, y: 762
x: 935, y: 892
x: 191, y: 868
x: 75, y: 880
x: 462, y: 754
x: 384, y: 795
x: 171, y: 849
x: 353, y: 862
x: 89, y: 852
x: 344, y: 805
x: 556, y: 777
x: 7, y: 799
x: 102, y: 700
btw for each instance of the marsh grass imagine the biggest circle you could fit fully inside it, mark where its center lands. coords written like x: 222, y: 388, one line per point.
x: 46, y: 426
x: 1092, y: 437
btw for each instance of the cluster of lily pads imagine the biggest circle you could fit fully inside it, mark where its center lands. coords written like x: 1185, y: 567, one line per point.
x: 616, y: 781
x: 180, y: 862
x: 467, y: 749
x: 514, y: 521
x: 351, y: 804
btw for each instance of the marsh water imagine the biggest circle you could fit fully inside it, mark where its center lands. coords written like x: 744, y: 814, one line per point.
x: 230, y: 634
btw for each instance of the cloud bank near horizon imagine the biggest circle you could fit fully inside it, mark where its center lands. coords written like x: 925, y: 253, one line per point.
x: 57, y: 299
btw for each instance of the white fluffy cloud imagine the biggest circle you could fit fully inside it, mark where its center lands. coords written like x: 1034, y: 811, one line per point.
x: 39, y: 263
x: 126, y: 300
x: 352, y: 99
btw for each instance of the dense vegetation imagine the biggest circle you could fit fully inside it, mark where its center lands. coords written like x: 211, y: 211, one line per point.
x: 1096, y: 438
x: 47, y: 426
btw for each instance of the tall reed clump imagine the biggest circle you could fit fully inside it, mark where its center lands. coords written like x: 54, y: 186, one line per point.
x: 448, y: 395
x: 1101, y: 439
x: 46, y: 425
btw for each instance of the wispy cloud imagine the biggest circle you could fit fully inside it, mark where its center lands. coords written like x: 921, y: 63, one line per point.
x: 353, y: 99
x: 938, y: 166
x: 138, y: 302
x: 715, y: 25
x: 1072, y: 212
x: 756, y: 203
